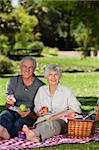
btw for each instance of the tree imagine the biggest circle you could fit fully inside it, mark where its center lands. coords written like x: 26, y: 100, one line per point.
x: 16, y: 27
x: 5, y: 6
x: 4, y: 45
x: 58, y: 23
x: 24, y: 36
x: 5, y: 24
x: 60, y: 18
x: 54, y: 20
x: 86, y: 15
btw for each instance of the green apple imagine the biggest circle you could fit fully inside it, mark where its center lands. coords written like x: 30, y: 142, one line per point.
x: 22, y: 107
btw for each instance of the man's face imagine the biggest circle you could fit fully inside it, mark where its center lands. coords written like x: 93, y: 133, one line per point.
x: 27, y: 69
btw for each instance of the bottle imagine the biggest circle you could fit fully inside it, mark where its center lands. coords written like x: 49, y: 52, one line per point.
x: 22, y: 135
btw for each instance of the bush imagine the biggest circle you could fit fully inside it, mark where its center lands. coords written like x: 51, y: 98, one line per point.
x: 37, y: 47
x: 6, y: 65
x: 50, y: 51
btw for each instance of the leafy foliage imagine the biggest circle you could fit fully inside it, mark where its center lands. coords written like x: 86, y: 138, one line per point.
x: 66, y: 18
x: 50, y: 51
x: 37, y: 46
x: 16, y: 28
x: 6, y: 65
x: 4, y: 44
x: 5, y: 6
x: 24, y: 37
x: 60, y: 23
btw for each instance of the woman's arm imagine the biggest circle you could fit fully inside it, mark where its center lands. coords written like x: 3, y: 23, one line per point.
x: 69, y: 112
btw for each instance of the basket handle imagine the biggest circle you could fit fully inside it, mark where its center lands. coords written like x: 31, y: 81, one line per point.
x: 97, y: 113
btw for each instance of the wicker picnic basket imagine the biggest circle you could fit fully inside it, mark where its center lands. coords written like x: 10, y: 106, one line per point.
x: 79, y: 128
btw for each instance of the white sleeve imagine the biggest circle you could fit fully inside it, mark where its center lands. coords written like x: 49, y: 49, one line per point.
x: 73, y: 103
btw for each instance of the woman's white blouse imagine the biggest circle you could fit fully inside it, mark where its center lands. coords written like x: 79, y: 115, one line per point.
x: 63, y: 99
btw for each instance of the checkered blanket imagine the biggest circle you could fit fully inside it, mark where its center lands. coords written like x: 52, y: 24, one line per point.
x: 18, y: 143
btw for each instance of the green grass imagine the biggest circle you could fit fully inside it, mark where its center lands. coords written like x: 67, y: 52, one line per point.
x: 76, y: 63
x: 3, y: 82
x: 87, y: 61
x: 84, y: 85
x: 86, y: 146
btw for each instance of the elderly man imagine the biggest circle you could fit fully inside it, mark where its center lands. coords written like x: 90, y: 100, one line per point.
x: 21, y: 89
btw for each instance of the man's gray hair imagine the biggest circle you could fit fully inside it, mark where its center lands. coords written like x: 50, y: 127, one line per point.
x: 31, y: 59
x: 52, y: 67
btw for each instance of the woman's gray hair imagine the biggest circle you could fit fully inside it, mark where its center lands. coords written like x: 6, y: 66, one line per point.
x: 52, y: 67
x: 31, y: 59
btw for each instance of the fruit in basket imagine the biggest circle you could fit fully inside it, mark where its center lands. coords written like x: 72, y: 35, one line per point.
x: 22, y: 107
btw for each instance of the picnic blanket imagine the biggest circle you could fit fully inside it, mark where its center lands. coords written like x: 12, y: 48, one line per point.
x: 18, y: 143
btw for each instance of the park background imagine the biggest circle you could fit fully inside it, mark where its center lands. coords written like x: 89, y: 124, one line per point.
x: 63, y: 32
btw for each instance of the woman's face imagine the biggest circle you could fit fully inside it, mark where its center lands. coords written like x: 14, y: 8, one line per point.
x: 27, y: 69
x: 53, y: 77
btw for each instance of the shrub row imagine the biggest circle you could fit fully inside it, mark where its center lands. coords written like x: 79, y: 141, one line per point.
x: 8, y: 66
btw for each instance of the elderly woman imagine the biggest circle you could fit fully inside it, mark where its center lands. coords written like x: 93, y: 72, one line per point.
x: 53, y: 104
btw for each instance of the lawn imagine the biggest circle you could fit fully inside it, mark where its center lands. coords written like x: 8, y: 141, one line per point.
x: 86, y: 146
x: 76, y: 61
x: 72, y: 63
x: 85, y: 86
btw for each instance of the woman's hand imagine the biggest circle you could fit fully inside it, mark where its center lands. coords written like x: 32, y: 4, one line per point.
x: 43, y: 111
x: 70, y: 115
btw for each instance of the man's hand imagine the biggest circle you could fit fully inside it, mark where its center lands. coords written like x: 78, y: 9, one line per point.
x: 23, y: 113
x: 10, y: 100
